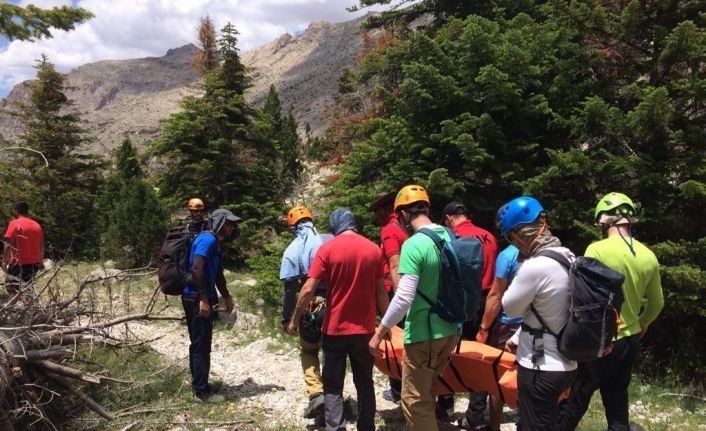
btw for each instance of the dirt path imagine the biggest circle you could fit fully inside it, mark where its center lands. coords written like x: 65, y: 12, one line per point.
x: 264, y: 376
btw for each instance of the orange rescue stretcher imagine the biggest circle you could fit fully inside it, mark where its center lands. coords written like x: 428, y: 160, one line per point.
x: 474, y: 367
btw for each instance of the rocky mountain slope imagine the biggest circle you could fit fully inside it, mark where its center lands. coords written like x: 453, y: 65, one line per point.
x: 130, y: 97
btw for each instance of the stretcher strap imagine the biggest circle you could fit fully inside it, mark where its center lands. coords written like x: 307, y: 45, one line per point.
x: 496, y: 374
x: 394, y: 356
x: 387, y: 357
x: 457, y: 374
x: 445, y: 383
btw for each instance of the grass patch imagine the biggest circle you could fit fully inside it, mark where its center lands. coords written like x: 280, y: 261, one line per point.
x: 157, y: 397
x: 652, y: 409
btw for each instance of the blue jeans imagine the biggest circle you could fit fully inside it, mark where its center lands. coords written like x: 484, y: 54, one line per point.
x: 200, y: 334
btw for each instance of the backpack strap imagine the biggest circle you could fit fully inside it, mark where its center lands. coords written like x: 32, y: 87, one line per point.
x: 556, y: 256
x: 537, y: 333
x: 439, y: 243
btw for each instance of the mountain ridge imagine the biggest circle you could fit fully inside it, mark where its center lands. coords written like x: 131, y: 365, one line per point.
x: 131, y: 97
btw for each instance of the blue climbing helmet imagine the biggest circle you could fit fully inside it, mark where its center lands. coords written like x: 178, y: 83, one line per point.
x: 522, y: 210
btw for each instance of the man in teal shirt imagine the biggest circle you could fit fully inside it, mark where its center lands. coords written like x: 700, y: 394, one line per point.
x: 428, y: 339
x: 616, y: 214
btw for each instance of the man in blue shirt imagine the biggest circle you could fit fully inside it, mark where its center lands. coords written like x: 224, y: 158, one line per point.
x: 294, y: 270
x: 199, y: 297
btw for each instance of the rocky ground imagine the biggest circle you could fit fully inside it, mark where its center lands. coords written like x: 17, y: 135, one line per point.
x: 264, y: 376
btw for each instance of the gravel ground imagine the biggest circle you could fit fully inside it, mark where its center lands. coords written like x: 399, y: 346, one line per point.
x: 264, y: 376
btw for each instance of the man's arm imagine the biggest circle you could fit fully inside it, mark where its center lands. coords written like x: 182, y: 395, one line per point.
x: 655, y: 302
x: 382, y: 299
x: 289, y: 300
x: 395, y: 312
x: 492, y: 308
x: 520, y: 294
x: 393, y: 262
x: 306, y: 294
x: 223, y: 290
x: 198, y: 280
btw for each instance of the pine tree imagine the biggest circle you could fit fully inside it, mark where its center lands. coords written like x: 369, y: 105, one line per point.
x: 206, y: 148
x: 31, y: 22
x: 279, y: 145
x: 566, y: 101
x: 61, y: 195
x: 135, y: 221
x: 206, y: 59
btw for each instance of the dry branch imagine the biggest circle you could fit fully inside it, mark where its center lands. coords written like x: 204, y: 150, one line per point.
x: 83, y: 397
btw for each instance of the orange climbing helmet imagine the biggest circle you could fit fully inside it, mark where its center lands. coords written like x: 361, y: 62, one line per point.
x: 298, y: 213
x: 195, y: 204
x: 411, y: 194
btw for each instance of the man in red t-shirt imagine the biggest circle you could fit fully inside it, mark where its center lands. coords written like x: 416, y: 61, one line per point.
x: 392, y: 235
x: 455, y: 216
x: 24, y: 248
x: 352, y: 266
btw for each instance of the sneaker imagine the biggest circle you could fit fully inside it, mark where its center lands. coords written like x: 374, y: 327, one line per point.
x: 210, y: 398
x: 391, y: 396
x: 315, y: 403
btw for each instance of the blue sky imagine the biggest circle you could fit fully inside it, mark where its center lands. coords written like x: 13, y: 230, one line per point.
x: 125, y: 29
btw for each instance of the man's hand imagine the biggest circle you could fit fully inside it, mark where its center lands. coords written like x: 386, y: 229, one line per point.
x: 380, y: 334
x: 643, y: 331
x: 510, y: 346
x: 204, y: 308
x: 292, y: 327
x: 482, y: 335
x: 230, y: 305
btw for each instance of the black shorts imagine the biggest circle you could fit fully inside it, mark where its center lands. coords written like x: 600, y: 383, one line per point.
x: 499, y: 333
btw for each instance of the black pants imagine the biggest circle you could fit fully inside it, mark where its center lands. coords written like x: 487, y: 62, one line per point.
x: 336, y: 349
x: 611, y: 375
x: 538, y: 393
x: 200, y: 334
x: 20, y: 272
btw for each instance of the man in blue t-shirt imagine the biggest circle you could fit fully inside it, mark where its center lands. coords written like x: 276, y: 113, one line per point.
x: 199, y: 297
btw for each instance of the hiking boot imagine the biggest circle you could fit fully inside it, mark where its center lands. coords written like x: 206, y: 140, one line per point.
x: 316, y: 402
x: 209, y: 398
x: 390, y: 395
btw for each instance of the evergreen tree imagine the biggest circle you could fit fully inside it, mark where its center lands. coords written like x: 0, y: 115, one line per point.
x: 279, y: 147
x: 135, y: 221
x: 62, y: 194
x: 31, y: 22
x: 567, y: 101
x: 206, y: 59
x: 206, y: 148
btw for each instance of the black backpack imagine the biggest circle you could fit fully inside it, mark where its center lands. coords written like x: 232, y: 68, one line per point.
x: 174, y: 260
x: 461, y: 265
x: 594, y: 312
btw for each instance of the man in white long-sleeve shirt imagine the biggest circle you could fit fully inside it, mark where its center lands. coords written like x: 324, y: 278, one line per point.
x: 428, y: 339
x: 540, y: 294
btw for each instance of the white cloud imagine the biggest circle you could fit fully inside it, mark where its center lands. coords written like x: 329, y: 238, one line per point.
x: 125, y: 29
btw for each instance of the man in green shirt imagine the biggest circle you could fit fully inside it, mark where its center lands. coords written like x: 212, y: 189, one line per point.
x: 428, y: 339
x: 616, y: 214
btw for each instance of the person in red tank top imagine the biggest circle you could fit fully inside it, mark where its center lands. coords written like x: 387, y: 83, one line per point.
x: 24, y: 248
x: 392, y: 235
x: 456, y: 217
